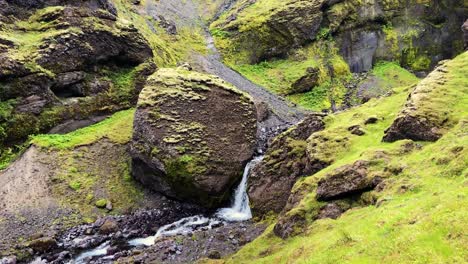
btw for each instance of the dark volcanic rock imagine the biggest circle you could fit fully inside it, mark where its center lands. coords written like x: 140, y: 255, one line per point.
x: 193, y: 134
x: 344, y: 181
x: 271, y: 180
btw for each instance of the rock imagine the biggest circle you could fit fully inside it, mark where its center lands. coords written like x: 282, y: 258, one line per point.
x: 465, y: 34
x: 263, y: 111
x: 43, y: 244
x: 371, y: 120
x: 193, y: 134
x: 356, y: 130
x: 307, y: 82
x: 77, y: 48
x: 109, y: 206
x: 108, y: 227
x: 270, y: 182
x: 345, y: 181
x: 424, y: 116
x: 283, y: 27
x: 214, y: 254
x: 331, y: 210
x: 289, y: 226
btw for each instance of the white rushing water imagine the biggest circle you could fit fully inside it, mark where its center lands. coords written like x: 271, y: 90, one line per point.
x: 99, y: 251
x: 239, y: 211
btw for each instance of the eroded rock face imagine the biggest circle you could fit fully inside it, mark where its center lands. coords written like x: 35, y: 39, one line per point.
x: 345, y: 181
x: 285, y: 27
x: 270, y: 182
x: 67, y: 51
x: 193, y: 134
x: 364, y: 31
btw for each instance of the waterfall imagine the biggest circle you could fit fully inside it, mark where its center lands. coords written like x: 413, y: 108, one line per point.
x: 239, y: 211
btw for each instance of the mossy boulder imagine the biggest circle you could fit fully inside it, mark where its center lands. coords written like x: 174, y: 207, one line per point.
x: 425, y: 116
x: 193, y: 134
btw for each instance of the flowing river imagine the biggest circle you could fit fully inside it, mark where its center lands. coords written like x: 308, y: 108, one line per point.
x: 239, y: 211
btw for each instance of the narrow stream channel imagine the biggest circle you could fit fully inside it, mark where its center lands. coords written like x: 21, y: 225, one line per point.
x: 239, y: 211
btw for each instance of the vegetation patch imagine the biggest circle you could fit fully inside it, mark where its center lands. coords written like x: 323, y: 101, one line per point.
x: 117, y: 128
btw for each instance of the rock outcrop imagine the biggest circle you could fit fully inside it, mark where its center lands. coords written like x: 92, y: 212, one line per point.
x: 418, y: 34
x: 59, y: 52
x: 193, y: 134
x: 424, y: 116
x: 286, y: 160
x: 345, y: 181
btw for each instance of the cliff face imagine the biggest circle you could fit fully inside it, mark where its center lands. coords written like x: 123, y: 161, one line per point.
x: 65, y: 62
x: 418, y: 34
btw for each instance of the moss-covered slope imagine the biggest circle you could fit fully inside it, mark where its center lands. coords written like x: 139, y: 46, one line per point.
x: 412, y: 214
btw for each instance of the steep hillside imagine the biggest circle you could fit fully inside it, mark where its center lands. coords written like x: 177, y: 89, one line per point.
x: 410, y: 214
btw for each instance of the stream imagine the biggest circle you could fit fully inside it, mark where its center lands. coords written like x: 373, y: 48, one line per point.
x: 239, y: 211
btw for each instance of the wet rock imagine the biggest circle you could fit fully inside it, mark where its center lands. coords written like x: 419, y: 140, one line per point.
x: 108, y: 227
x: 43, y: 244
x: 307, y: 82
x: 356, y: 130
x: 193, y: 134
x: 271, y: 180
x: 344, y: 181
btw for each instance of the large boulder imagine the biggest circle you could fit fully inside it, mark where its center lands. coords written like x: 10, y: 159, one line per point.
x: 425, y: 116
x: 193, y: 134
x: 285, y: 161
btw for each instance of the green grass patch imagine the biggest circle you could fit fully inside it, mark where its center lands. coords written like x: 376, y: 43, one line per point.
x: 117, y: 128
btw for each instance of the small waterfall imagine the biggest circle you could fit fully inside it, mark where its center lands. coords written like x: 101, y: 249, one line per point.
x: 239, y: 211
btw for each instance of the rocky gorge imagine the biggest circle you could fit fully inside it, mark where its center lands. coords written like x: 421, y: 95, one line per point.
x: 233, y: 131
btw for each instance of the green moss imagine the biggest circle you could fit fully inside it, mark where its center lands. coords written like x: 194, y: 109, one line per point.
x: 181, y: 170
x: 278, y: 75
x: 101, y: 203
x: 117, y: 128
